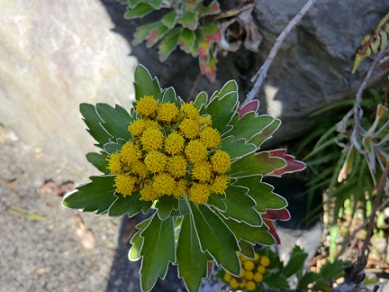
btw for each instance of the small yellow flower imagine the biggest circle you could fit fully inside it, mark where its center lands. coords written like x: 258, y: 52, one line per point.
x: 155, y: 161
x: 147, y: 106
x: 227, y: 277
x: 140, y: 169
x: 234, y: 283
x: 201, y: 171
x: 248, y: 265
x: 174, y: 143
x: 176, y: 166
x: 163, y: 184
x: 125, y: 184
x: 190, y: 111
x: 147, y: 193
x: 261, y: 269
x: 250, y: 286
x: 249, y: 275
x: 199, y: 193
x: 181, y: 188
x: 205, y: 122
x: 136, y: 127
x: 152, y: 139
x: 258, y: 277
x: 220, y: 161
x: 210, y: 137
x: 130, y: 152
x: 265, y: 261
x: 219, y: 185
x: 167, y: 112
x: 256, y: 257
x: 114, y: 163
x: 189, y: 128
x: 195, y: 151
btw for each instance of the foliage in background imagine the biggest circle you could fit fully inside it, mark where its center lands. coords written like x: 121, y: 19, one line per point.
x: 196, y: 168
x: 349, y: 175
x: 373, y: 43
x: 266, y: 271
x: 199, y: 29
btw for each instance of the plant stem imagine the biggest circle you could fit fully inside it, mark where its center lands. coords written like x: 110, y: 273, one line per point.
x: 260, y: 76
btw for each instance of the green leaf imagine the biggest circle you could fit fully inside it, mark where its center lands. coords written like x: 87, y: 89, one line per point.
x: 266, y: 134
x: 251, y: 234
x: 98, y: 160
x: 236, y: 148
x: 131, y: 205
x: 146, y: 85
x: 215, y: 237
x: 306, y: 279
x: 196, y: 44
x: 249, y: 126
x: 187, y: 40
x: 97, y: 195
x: 200, y: 100
x: 183, y: 208
x: 139, y: 11
x: 157, y: 4
x: 115, y: 120
x: 331, y: 270
x: 131, y: 3
x: 157, y: 251
x: 168, y: 44
x: 189, y: 19
x: 191, y: 261
x: 246, y: 249
x: 296, y: 262
x: 92, y: 121
x: 137, y: 241
x: 169, y: 95
x: 170, y: 19
x: 222, y: 109
x: 228, y: 87
x: 240, y: 206
x: 217, y: 201
x: 112, y: 147
x: 277, y: 281
x: 255, y: 164
x: 165, y: 206
x: 262, y: 194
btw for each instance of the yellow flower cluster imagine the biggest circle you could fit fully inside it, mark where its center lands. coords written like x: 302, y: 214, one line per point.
x: 251, y: 273
x: 174, y: 151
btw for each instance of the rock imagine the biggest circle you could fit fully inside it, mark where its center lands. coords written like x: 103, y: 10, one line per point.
x: 311, y: 70
x: 55, y: 55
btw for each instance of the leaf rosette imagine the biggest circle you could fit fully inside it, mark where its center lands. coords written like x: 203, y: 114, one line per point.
x: 196, y: 167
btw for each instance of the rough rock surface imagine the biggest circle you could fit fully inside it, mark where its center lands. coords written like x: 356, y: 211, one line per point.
x: 311, y: 70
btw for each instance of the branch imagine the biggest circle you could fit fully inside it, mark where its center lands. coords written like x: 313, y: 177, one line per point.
x: 260, y: 76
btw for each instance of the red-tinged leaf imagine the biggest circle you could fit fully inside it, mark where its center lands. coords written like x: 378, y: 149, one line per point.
x: 292, y: 165
x: 143, y: 32
x: 272, y: 230
x: 211, y: 32
x: 252, y: 106
x: 155, y: 35
x: 282, y: 214
x: 168, y: 44
x: 203, y: 49
x: 211, y: 9
x: 208, y: 68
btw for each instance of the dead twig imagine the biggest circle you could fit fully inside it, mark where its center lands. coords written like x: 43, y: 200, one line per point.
x: 260, y: 76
